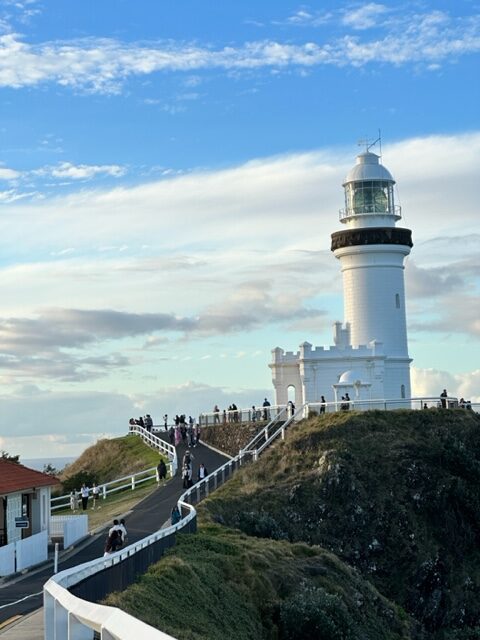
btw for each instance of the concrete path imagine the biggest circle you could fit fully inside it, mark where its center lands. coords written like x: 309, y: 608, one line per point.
x: 146, y: 518
x: 29, y: 627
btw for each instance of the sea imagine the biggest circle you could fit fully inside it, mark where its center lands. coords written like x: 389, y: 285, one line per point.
x: 39, y: 463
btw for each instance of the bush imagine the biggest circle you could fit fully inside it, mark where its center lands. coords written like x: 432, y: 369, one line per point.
x: 312, y: 613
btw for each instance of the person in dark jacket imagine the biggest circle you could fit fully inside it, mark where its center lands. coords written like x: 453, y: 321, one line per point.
x: 162, y: 470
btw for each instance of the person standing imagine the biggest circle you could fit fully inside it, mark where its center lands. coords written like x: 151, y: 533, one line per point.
x: 84, y: 492
x: 165, y: 421
x: 443, y: 399
x: 322, y: 404
x: 95, y: 495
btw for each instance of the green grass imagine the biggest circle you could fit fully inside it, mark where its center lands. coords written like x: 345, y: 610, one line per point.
x: 113, y: 458
x: 221, y: 584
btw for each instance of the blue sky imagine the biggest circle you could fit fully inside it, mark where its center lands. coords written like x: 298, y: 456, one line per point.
x: 170, y: 174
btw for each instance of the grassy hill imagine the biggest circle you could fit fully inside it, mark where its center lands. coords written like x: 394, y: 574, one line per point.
x: 109, y: 459
x: 391, y: 499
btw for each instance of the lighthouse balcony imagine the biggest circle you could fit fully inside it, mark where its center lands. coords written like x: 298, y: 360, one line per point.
x: 370, y: 210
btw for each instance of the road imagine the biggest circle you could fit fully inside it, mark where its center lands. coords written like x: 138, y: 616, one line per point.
x: 146, y: 518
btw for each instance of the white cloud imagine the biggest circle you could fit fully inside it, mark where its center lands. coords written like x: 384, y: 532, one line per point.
x: 365, y: 16
x: 102, y: 65
x: 431, y: 382
x: 9, y: 174
x: 84, y: 171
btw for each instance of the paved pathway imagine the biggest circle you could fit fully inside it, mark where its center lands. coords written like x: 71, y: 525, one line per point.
x: 147, y: 517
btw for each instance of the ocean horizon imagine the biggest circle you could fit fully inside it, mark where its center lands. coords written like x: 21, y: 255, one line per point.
x: 39, y: 463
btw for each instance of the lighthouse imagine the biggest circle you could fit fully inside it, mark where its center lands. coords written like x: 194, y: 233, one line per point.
x: 369, y: 359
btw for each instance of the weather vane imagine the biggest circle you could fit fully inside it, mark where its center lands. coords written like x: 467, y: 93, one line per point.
x: 368, y: 143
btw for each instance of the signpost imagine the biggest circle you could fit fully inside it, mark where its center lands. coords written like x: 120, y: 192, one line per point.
x: 22, y: 523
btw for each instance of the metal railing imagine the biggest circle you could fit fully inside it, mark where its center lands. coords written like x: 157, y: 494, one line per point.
x: 259, y: 414
x: 368, y: 210
x: 126, y: 482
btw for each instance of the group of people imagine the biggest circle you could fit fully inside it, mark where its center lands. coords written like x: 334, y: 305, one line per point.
x: 146, y: 422
x: 345, y: 403
x: 83, y: 495
x: 188, y: 434
x: 232, y: 414
x: 187, y: 470
x: 116, y: 538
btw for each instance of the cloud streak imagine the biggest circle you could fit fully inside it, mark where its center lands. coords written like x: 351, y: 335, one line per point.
x: 102, y: 65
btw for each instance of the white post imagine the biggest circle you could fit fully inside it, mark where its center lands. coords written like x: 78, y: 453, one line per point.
x: 55, y: 560
x: 77, y: 630
x: 61, y: 621
x: 48, y: 616
x: 133, y: 483
x: 104, y: 492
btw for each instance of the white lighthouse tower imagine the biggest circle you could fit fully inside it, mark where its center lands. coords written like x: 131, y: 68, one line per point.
x: 369, y: 359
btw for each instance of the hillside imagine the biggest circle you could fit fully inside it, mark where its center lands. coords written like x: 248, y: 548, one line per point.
x: 390, y: 498
x: 109, y: 459
x: 221, y: 584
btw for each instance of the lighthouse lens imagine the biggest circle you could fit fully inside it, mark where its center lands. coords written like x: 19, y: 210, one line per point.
x: 368, y: 197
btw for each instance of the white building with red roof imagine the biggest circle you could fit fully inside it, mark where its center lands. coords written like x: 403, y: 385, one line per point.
x: 24, y: 501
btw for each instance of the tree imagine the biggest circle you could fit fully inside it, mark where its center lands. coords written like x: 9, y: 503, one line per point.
x: 6, y: 456
x: 50, y: 470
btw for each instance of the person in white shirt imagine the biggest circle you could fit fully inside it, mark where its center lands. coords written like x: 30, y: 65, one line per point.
x: 202, y: 471
x: 84, y: 492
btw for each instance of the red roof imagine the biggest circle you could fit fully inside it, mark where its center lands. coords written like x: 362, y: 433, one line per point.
x: 16, y: 477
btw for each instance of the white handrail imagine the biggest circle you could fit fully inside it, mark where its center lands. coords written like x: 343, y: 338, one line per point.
x: 157, y: 443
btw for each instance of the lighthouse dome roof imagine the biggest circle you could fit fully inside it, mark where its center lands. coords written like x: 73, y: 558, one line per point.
x: 350, y: 377
x: 368, y: 167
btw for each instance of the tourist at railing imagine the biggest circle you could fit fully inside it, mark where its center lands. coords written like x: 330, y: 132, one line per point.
x: 202, y: 472
x: 175, y: 516
x: 113, y: 542
x: 443, y: 399
x: 322, y: 404
x: 84, y: 492
x: 95, y: 496
x: 266, y: 410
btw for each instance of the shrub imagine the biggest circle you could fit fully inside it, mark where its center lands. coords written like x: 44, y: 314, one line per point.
x: 312, y: 613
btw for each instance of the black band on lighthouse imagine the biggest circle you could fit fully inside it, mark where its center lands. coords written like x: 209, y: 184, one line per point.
x: 371, y: 235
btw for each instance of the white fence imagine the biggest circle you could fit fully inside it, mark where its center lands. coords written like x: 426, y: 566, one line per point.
x: 157, y: 443
x: 127, y: 482
x: 70, y: 528
x: 7, y: 559
x: 68, y: 617
x: 23, y: 554
x: 265, y: 414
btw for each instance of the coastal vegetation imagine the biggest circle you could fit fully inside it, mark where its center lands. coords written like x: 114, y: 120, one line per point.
x: 358, y: 525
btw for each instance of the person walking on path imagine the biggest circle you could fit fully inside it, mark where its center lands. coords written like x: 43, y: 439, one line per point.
x: 202, y: 471
x: 162, y: 471
x: 84, y: 492
x: 113, y: 543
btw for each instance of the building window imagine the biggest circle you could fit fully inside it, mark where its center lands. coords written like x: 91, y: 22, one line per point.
x: 397, y: 300
x: 402, y: 391
x: 291, y: 394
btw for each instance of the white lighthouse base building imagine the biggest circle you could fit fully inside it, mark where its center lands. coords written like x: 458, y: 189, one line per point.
x: 363, y: 372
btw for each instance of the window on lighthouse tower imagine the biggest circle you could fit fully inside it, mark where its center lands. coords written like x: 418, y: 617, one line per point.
x: 369, y: 196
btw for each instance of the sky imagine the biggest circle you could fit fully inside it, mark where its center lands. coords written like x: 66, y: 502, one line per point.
x: 170, y: 175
